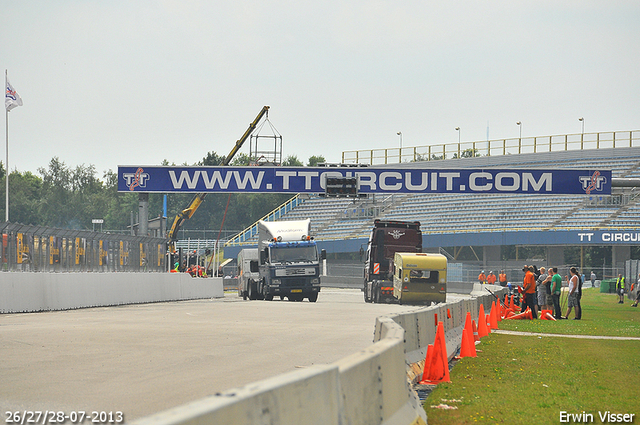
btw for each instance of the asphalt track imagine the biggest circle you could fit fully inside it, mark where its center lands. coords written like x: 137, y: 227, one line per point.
x: 142, y: 359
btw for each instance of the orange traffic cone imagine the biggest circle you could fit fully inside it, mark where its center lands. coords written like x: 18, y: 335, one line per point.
x: 493, y: 316
x: 482, y: 323
x: 436, y: 368
x: 488, y: 319
x: 427, y: 362
x: 499, y: 310
x: 524, y: 315
x: 467, y: 346
x: 467, y: 321
x: 476, y: 337
x: 529, y: 314
x: 512, y: 305
x: 549, y: 316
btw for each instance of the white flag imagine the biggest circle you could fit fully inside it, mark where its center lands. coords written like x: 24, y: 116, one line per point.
x: 12, y: 98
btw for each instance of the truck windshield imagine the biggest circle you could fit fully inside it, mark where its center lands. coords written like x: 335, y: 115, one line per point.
x: 424, y: 276
x: 295, y: 254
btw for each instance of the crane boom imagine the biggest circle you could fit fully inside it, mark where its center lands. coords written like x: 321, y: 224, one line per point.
x: 188, y: 212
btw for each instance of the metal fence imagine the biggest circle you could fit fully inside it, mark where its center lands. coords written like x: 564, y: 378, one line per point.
x: 47, y: 249
x: 520, y: 145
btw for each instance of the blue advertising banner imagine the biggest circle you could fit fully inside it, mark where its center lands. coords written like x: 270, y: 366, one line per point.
x: 370, y: 180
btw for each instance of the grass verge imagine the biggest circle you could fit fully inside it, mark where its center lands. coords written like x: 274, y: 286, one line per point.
x: 602, y: 315
x: 531, y: 379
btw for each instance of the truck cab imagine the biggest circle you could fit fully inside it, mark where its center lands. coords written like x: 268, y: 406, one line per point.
x: 289, y: 264
x: 248, y: 273
x: 419, y: 278
x: 387, y: 237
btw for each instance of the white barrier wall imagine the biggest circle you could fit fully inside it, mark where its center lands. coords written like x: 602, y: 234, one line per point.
x: 31, y: 292
x: 368, y: 387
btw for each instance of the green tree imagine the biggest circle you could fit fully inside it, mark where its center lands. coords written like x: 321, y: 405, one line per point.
x: 55, y: 199
x: 467, y: 153
x: 315, y: 160
x: 292, y: 161
x: 24, y: 193
x: 212, y: 159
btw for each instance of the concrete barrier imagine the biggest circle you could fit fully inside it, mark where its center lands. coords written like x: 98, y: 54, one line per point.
x: 31, y: 292
x: 368, y: 387
x: 306, y: 396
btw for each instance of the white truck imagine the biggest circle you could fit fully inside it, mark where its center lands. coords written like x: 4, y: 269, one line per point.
x: 248, y: 273
x: 288, y: 261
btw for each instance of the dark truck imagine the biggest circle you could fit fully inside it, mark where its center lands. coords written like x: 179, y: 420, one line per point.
x: 387, y: 238
x: 288, y: 261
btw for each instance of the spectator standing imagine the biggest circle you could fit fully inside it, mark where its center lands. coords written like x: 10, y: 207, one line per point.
x: 593, y: 279
x: 556, y: 290
x: 547, y: 287
x: 540, y: 290
x: 635, y: 304
x: 574, y: 280
x: 502, y: 277
x: 491, y: 278
x: 529, y: 286
x: 482, y: 278
x: 620, y: 288
x: 579, y: 308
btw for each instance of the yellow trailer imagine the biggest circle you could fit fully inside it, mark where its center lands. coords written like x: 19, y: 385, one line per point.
x: 419, y: 278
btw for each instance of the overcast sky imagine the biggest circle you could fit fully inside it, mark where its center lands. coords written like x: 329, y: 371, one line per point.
x: 116, y: 82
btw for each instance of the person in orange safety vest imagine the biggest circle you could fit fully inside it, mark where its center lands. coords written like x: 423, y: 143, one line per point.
x: 529, y: 287
x: 491, y: 278
x: 502, y: 278
x: 482, y: 278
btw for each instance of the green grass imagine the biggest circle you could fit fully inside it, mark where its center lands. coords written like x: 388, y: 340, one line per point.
x: 531, y: 379
x: 601, y: 315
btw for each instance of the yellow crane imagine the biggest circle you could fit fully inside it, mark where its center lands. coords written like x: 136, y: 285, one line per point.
x: 188, y: 212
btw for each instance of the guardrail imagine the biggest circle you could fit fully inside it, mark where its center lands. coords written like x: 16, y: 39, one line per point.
x: 242, y: 237
x: 520, y: 145
x: 47, y: 249
x: 368, y: 387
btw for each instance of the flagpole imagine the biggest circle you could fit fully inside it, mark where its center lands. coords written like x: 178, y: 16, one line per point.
x: 6, y: 165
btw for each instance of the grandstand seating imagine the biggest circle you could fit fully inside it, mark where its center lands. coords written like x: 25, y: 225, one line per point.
x: 451, y: 213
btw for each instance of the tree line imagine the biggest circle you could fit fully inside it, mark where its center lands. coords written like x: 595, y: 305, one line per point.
x: 71, y: 197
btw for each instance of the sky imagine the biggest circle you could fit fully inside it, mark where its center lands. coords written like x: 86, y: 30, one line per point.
x: 110, y: 83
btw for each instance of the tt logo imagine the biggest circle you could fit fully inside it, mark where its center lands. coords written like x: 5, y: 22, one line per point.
x: 593, y: 182
x: 396, y: 234
x: 137, y: 179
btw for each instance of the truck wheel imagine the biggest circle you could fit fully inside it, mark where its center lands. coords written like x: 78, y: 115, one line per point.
x: 367, y: 298
x: 313, y: 297
x: 375, y: 292
x: 260, y: 290
x: 251, y: 290
x: 244, y: 295
x: 268, y: 297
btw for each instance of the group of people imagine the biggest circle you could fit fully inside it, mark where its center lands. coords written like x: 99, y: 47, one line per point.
x: 491, y: 278
x: 542, y: 289
x: 620, y: 290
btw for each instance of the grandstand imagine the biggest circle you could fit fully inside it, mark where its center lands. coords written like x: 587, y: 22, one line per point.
x: 342, y: 218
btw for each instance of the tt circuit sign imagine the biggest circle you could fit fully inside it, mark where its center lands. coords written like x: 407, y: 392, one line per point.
x: 369, y: 180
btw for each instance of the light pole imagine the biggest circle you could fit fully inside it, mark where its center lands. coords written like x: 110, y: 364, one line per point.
x: 581, y: 119
x: 519, y: 124
x: 458, y: 130
x: 399, y: 133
